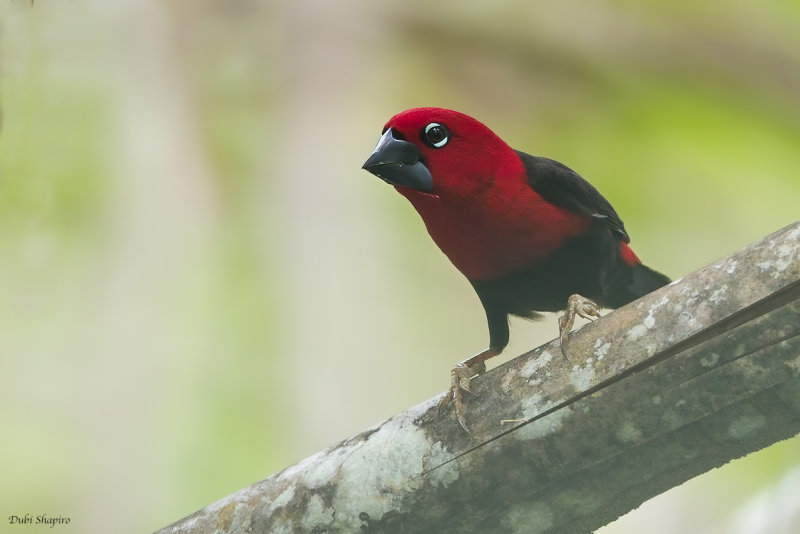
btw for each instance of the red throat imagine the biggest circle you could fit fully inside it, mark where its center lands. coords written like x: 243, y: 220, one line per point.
x: 482, y: 212
x: 503, y: 232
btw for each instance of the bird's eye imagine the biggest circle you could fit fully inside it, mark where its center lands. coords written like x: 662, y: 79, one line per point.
x: 435, y: 135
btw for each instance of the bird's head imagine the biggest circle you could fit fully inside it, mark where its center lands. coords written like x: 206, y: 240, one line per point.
x: 439, y: 152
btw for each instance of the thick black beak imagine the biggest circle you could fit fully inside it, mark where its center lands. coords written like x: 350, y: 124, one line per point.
x: 397, y: 162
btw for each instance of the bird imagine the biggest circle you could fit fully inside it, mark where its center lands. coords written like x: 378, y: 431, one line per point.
x: 529, y: 233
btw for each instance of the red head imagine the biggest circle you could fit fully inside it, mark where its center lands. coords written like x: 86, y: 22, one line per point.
x: 470, y: 188
x: 449, y: 143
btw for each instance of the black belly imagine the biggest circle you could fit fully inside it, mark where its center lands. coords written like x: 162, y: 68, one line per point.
x: 588, y: 265
x: 585, y: 265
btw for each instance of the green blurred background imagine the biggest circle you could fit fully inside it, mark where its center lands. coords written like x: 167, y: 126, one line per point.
x: 200, y: 287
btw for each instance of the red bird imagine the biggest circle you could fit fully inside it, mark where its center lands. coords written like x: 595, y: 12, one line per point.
x: 530, y: 234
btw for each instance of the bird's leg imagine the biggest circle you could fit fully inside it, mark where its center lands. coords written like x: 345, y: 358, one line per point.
x: 576, y: 305
x: 460, y: 376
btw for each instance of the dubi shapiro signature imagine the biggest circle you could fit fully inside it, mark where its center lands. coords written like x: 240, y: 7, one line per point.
x: 41, y: 519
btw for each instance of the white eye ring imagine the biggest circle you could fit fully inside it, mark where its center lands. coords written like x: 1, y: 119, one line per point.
x: 436, y: 135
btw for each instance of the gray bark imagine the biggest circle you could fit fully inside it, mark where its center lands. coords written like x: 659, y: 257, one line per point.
x: 681, y: 381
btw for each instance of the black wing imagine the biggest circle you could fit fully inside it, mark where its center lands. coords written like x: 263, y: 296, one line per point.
x: 563, y: 187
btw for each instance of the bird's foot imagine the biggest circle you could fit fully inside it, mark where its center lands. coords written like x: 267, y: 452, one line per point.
x: 460, y: 377
x: 576, y: 306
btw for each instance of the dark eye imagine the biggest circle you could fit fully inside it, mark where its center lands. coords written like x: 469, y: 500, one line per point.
x: 435, y: 135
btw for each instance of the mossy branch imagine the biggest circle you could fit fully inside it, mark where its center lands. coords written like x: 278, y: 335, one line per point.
x: 681, y: 381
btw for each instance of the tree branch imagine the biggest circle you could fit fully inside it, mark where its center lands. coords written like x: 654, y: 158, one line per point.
x: 681, y: 381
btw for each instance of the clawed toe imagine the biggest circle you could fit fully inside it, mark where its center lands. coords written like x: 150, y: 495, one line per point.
x: 576, y: 306
x: 460, y: 377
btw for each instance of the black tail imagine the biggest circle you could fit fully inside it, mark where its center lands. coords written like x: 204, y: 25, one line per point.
x: 631, y: 282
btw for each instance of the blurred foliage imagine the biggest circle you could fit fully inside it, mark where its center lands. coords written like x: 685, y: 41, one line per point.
x: 199, y: 287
